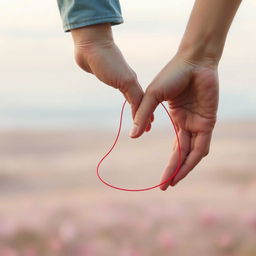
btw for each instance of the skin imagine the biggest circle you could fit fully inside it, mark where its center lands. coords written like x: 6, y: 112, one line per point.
x: 96, y: 53
x: 192, y: 94
x: 189, y: 82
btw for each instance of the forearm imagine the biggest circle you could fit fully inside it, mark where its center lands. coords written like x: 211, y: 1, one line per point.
x: 207, y: 29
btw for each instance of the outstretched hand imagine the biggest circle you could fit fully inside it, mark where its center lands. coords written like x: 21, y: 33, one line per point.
x: 191, y: 91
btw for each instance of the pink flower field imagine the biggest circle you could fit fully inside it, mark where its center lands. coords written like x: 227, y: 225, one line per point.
x: 53, y: 205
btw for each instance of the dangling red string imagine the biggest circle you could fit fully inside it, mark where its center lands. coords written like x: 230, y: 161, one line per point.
x: 116, y: 140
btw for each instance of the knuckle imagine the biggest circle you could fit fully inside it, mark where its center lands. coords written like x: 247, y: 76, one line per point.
x: 128, y: 80
x: 183, y: 150
x: 151, y: 91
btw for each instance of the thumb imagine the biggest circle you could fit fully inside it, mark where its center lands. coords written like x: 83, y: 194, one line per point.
x: 143, y: 114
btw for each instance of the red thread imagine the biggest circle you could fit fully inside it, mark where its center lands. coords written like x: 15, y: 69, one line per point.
x: 115, y: 141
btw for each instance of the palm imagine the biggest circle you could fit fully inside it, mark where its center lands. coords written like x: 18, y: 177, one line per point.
x: 194, y: 109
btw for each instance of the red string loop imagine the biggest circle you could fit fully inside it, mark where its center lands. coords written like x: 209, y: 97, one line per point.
x: 116, y: 140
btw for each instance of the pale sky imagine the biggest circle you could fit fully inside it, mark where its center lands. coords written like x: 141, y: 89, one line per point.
x: 39, y: 76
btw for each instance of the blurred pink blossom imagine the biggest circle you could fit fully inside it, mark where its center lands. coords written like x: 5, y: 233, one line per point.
x: 225, y: 241
x: 8, y: 227
x: 144, y: 225
x: 30, y: 251
x: 129, y: 251
x: 251, y: 220
x: 68, y: 231
x: 8, y: 252
x: 89, y: 249
x: 209, y: 218
x: 165, y: 239
x: 55, y: 244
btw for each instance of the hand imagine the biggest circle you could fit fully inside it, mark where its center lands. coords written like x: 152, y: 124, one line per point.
x: 192, y: 94
x: 96, y: 53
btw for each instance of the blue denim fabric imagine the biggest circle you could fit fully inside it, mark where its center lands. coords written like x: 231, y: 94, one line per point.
x: 80, y: 13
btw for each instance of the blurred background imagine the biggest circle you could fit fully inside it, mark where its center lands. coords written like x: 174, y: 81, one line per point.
x: 56, y: 122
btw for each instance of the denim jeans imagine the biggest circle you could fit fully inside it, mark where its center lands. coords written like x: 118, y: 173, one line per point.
x: 80, y: 13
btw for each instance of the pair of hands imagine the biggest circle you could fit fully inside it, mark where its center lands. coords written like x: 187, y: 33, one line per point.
x: 191, y: 90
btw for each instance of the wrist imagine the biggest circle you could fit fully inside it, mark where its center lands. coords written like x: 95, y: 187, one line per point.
x: 92, y: 35
x: 203, y: 50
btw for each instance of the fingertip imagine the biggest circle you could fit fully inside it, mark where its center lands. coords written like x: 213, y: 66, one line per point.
x: 163, y: 188
x: 148, y: 127
x: 135, y: 131
x: 136, y: 136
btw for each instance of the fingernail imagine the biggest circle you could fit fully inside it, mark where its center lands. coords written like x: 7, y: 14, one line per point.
x: 133, y: 130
